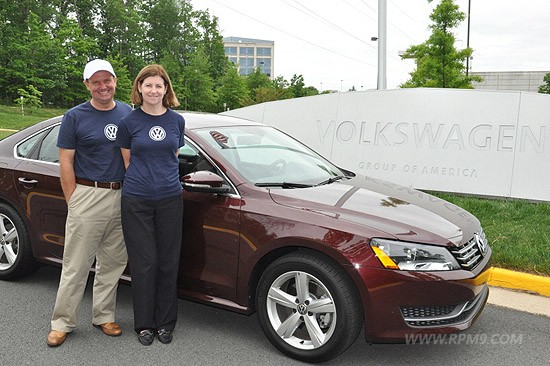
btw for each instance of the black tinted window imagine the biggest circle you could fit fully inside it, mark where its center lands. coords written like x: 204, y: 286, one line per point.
x: 41, y: 146
x: 48, y: 149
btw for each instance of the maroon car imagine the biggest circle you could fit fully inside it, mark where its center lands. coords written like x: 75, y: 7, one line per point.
x: 270, y: 226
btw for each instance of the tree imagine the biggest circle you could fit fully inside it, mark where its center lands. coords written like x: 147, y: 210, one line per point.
x: 268, y: 94
x: 438, y: 63
x: 164, y: 27
x: 124, y: 82
x: 233, y: 92
x: 29, y: 97
x: 121, y: 32
x: 75, y: 50
x: 545, y: 88
x: 84, y: 13
x: 259, y: 87
x: 257, y: 79
x: 298, y: 87
x: 47, y: 43
x: 198, y: 83
x: 38, y: 57
x: 211, y: 42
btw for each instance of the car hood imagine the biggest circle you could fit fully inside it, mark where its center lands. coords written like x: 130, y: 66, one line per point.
x: 385, y: 209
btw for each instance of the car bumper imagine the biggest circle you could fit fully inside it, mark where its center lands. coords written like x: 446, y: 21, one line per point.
x: 409, y: 303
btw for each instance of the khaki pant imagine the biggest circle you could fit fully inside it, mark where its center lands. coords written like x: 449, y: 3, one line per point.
x: 93, y: 232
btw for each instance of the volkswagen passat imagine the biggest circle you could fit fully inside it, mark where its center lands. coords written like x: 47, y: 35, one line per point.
x: 272, y: 227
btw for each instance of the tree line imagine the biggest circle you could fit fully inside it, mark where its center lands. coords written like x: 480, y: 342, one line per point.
x: 44, y: 45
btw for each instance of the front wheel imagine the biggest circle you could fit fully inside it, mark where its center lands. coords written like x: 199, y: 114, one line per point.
x: 16, y: 259
x: 308, y: 307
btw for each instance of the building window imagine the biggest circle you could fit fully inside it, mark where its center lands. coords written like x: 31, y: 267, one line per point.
x: 230, y: 50
x: 246, y: 66
x: 232, y: 59
x: 246, y: 51
x: 265, y: 65
x: 263, y: 51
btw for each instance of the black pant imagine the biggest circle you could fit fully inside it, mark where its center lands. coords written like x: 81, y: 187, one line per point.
x: 153, y: 235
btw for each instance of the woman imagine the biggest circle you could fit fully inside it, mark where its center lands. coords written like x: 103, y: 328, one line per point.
x: 152, y: 204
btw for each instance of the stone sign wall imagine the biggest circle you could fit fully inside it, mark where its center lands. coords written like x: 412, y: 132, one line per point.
x: 491, y: 143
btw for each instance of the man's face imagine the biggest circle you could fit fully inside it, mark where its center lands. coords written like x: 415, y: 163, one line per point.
x: 102, y: 85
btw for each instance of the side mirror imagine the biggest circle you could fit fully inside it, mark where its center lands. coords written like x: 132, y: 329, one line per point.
x: 204, y: 182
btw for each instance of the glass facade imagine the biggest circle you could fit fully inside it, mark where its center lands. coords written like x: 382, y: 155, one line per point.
x: 231, y: 50
x: 263, y: 51
x: 246, y: 65
x: 249, y: 54
x: 246, y: 51
x: 264, y: 64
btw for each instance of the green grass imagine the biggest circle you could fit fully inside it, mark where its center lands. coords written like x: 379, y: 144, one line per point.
x: 11, y: 118
x: 518, y: 231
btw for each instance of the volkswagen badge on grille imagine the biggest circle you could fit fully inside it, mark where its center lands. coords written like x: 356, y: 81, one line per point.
x: 481, y: 243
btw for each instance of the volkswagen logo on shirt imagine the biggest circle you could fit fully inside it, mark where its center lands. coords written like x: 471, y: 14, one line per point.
x: 110, y: 131
x: 157, y: 133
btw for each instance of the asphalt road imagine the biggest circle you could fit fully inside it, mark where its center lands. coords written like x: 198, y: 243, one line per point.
x: 210, y: 336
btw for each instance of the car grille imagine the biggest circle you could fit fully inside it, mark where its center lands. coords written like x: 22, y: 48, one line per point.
x: 471, y: 253
x: 435, y: 316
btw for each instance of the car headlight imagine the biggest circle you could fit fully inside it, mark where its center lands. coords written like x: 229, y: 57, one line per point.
x: 412, y: 256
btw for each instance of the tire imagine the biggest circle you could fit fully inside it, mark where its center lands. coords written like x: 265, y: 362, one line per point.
x: 16, y: 259
x: 329, y: 307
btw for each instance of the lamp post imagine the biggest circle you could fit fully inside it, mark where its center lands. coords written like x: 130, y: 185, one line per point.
x: 382, y: 15
x: 468, y: 40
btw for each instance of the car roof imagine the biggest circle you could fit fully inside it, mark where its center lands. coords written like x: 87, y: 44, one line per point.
x: 197, y: 120
x: 193, y: 121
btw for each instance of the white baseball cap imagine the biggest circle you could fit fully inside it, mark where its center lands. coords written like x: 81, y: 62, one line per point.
x: 97, y: 65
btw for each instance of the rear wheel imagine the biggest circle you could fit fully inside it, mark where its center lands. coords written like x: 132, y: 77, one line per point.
x: 308, y: 307
x: 16, y: 259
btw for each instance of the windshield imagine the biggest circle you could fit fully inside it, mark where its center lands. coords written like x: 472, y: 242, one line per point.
x: 266, y: 156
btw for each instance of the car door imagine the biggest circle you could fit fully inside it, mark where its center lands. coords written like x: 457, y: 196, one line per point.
x: 209, y: 256
x: 39, y: 190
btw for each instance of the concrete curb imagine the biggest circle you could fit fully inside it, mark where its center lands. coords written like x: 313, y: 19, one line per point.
x: 519, y: 300
x: 539, y: 285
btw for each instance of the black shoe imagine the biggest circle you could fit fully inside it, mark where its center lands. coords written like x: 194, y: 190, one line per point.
x: 165, y: 336
x: 146, y: 337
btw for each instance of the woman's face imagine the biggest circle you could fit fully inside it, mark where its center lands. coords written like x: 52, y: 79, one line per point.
x: 152, y: 90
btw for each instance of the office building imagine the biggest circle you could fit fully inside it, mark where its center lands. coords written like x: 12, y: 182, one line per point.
x: 249, y: 54
x: 529, y: 81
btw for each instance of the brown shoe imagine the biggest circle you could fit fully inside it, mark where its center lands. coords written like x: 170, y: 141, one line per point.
x: 111, y: 329
x: 56, y: 338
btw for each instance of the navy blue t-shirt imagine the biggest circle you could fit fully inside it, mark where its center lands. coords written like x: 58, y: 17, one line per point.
x: 92, y: 133
x: 153, y: 172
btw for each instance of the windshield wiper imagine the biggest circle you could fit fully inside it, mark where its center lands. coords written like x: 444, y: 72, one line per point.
x: 331, y: 180
x: 285, y: 185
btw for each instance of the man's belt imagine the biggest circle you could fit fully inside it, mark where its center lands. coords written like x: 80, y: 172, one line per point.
x: 91, y: 183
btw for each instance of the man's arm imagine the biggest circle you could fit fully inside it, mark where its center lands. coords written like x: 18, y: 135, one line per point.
x: 66, y: 171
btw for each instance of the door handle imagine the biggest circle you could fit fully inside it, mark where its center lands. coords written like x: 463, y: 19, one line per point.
x: 27, y: 181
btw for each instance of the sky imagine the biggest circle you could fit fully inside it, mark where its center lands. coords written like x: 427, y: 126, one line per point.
x: 329, y: 43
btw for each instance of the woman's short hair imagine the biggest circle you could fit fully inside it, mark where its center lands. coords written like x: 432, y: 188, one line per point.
x: 169, y: 100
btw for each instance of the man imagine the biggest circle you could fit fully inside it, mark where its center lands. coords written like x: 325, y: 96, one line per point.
x: 91, y: 172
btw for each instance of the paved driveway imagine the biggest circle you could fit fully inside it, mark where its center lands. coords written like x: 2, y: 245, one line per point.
x: 210, y: 336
